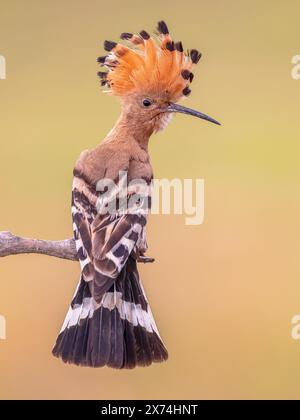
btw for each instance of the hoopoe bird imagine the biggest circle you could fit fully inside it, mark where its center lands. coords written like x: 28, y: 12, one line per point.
x: 109, y: 321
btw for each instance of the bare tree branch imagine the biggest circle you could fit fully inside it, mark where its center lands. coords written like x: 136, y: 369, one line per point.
x: 12, y: 245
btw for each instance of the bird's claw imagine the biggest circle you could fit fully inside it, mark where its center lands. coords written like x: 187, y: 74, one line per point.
x: 143, y: 259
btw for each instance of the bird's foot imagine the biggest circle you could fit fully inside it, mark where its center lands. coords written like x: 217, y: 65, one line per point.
x: 144, y: 259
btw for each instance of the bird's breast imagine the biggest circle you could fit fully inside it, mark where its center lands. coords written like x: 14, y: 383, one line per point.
x: 140, y: 171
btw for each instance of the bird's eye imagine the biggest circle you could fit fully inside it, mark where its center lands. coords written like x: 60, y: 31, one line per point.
x: 147, y: 102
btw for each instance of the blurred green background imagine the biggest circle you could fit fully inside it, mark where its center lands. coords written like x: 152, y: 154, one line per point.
x: 223, y: 293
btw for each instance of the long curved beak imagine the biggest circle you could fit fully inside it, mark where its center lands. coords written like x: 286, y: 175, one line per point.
x: 183, y: 110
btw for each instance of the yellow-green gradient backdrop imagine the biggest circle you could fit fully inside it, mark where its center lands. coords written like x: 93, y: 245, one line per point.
x: 223, y: 293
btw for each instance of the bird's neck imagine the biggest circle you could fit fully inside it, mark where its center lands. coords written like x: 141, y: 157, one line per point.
x: 128, y: 129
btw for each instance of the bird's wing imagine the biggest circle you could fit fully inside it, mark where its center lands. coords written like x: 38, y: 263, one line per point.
x: 112, y: 243
x: 104, y: 241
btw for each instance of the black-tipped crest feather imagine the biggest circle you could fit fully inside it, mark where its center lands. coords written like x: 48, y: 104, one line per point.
x: 179, y: 46
x: 126, y: 35
x: 186, y: 74
x: 102, y: 59
x: 109, y: 45
x: 144, y: 35
x: 195, y: 56
x: 162, y: 27
x: 186, y: 91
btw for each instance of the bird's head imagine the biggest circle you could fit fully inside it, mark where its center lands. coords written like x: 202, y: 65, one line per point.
x: 150, y: 74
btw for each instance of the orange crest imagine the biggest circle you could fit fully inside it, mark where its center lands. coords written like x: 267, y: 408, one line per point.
x: 148, y: 65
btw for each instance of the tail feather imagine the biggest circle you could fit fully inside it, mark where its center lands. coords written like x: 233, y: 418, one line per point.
x: 80, y: 344
x: 116, y: 340
x: 130, y: 358
x: 120, y: 332
x: 98, y: 344
x: 143, y: 350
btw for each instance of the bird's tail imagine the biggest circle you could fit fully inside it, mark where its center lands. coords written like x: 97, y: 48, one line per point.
x: 120, y: 332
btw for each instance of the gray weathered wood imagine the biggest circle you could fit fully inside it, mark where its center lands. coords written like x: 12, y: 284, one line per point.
x: 13, y: 245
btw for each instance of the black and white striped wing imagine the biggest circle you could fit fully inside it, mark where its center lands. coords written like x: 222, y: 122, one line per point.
x: 113, y: 240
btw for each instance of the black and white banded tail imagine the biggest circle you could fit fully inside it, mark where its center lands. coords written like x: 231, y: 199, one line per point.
x: 119, y: 332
